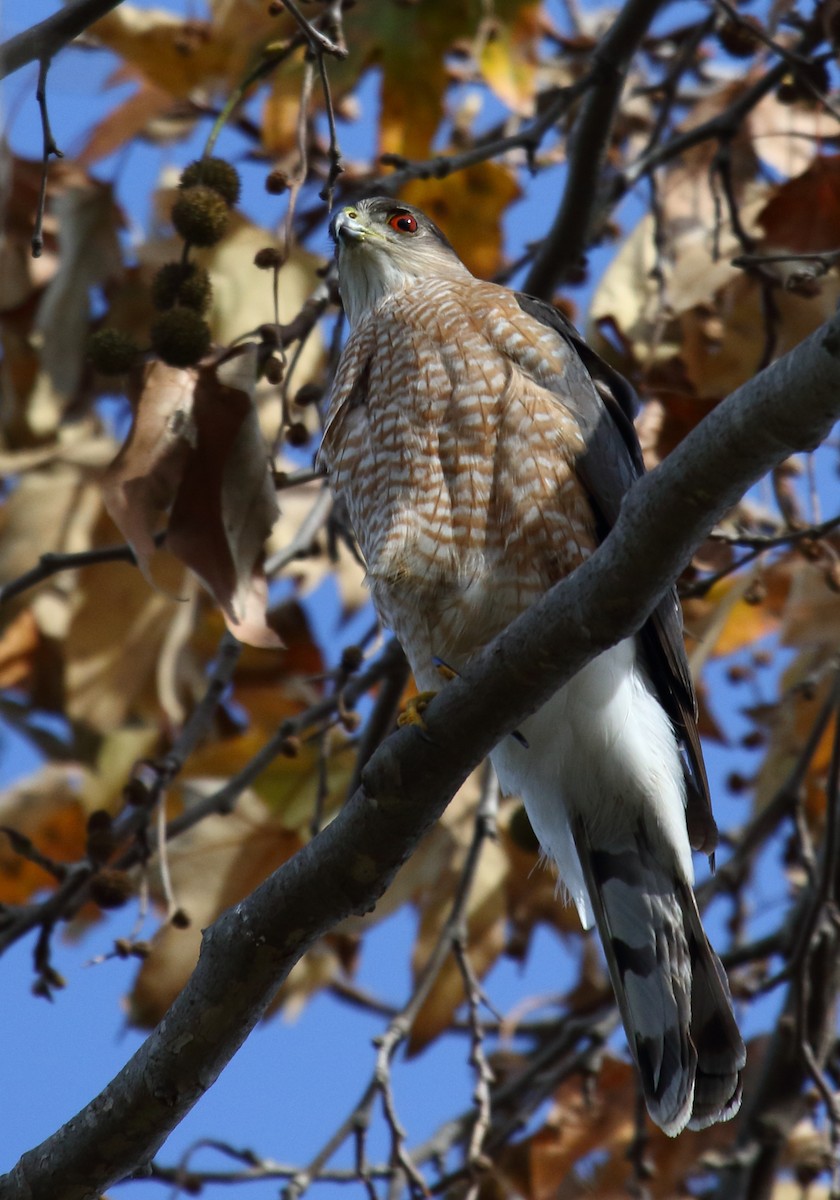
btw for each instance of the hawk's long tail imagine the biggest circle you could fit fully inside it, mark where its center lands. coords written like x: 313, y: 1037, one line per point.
x: 670, y: 985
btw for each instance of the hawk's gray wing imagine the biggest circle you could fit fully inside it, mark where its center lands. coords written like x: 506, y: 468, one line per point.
x: 610, y: 466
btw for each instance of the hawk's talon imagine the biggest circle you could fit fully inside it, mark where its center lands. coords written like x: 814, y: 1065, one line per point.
x: 412, y: 714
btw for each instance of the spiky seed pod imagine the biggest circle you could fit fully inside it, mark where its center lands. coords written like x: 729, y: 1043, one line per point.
x: 112, y: 352
x: 297, y: 434
x: 200, y: 215
x: 182, y: 283
x: 268, y: 258
x: 740, y: 38
x: 276, y: 183
x: 213, y: 173
x: 801, y: 84
x: 111, y: 888
x: 273, y: 370
x: 180, y: 337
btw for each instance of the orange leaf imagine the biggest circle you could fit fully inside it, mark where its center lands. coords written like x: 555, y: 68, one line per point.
x: 509, y: 61
x: 46, y: 808
x: 18, y: 645
x: 469, y: 208
x: 816, y: 193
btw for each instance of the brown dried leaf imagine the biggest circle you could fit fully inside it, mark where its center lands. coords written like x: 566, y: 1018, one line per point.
x: 816, y: 193
x: 485, y: 925
x: 584, y: 1121
x: 788, y: 136
x: 804, y: 689
x: 46, y: 808
x: 812, y: 614
x: 89, y: 255
x: 21, y: 275
x: 226, y: 505
x: 115, y: 636
x: 19, y: 643
x: 288, y: 786
x: 128, y: 120
x: 213, y: 865
x: 242, y: 300
x: 196, y: 446
x: 52, y: 508
x: 141, y: 483
x: 723, y: 621
x: 180, y: 55
x: 534, y: 896
x: 348, y: 575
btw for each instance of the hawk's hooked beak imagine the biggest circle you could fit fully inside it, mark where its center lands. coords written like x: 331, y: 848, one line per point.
x: 346, y: 227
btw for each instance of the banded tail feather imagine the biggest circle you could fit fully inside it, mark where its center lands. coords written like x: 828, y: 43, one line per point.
x: 669, y: 983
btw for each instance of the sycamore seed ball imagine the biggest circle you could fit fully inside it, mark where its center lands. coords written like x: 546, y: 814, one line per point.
x: 180, y: 337
x: 112, y: 352
x: 200, y: 215
x: 213, y: 173
x: 184, y: 284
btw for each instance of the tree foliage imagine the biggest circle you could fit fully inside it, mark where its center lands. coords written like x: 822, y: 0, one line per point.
x: 168, y: 554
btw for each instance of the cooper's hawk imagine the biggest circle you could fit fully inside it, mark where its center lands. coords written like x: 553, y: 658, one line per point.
x: 483, y: 451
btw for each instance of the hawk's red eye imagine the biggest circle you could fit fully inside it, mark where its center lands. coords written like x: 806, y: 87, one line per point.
x: 403, y: 223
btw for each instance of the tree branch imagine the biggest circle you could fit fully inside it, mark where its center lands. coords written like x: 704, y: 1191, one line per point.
x: 567, y: 239
x: 43, y: 40
x: 406, y: 785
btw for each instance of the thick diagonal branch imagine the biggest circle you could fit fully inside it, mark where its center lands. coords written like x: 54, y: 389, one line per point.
x: 408, y: 782
x: 42, y: 41
x: 567, y: 239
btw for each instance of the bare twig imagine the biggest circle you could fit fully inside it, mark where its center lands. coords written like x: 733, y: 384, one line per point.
x: 316, y: 38
x: 554, y: 105
x: 272, y: 57
x: 756, y: 545
x: 50, y: 149
x: 52, y: 563
x: 143, y: 792
x: 723, y: 125
x: 771, y: 815
x: 382, y: 719
x: 306, y: 534
x: 797, y: 64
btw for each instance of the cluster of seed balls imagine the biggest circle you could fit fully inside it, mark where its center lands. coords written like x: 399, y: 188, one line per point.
x: 181, y: 291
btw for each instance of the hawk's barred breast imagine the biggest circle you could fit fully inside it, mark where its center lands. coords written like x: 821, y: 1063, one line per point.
x: 456, y: 465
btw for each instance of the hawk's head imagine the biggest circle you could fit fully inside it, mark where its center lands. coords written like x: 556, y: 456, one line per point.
x: 382, y: 247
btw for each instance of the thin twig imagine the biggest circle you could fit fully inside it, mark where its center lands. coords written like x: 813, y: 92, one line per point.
x: 335, y: 157
x: 766, y: 821
x: 797, y: 64
x: 723, y: 125
x: 492, y: 146
x: 50, y: 149
x: 53, y: 562
x: 316, y: 38
x: 143, y: 791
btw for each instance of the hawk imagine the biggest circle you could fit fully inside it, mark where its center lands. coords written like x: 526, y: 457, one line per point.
x: 482, y: 451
